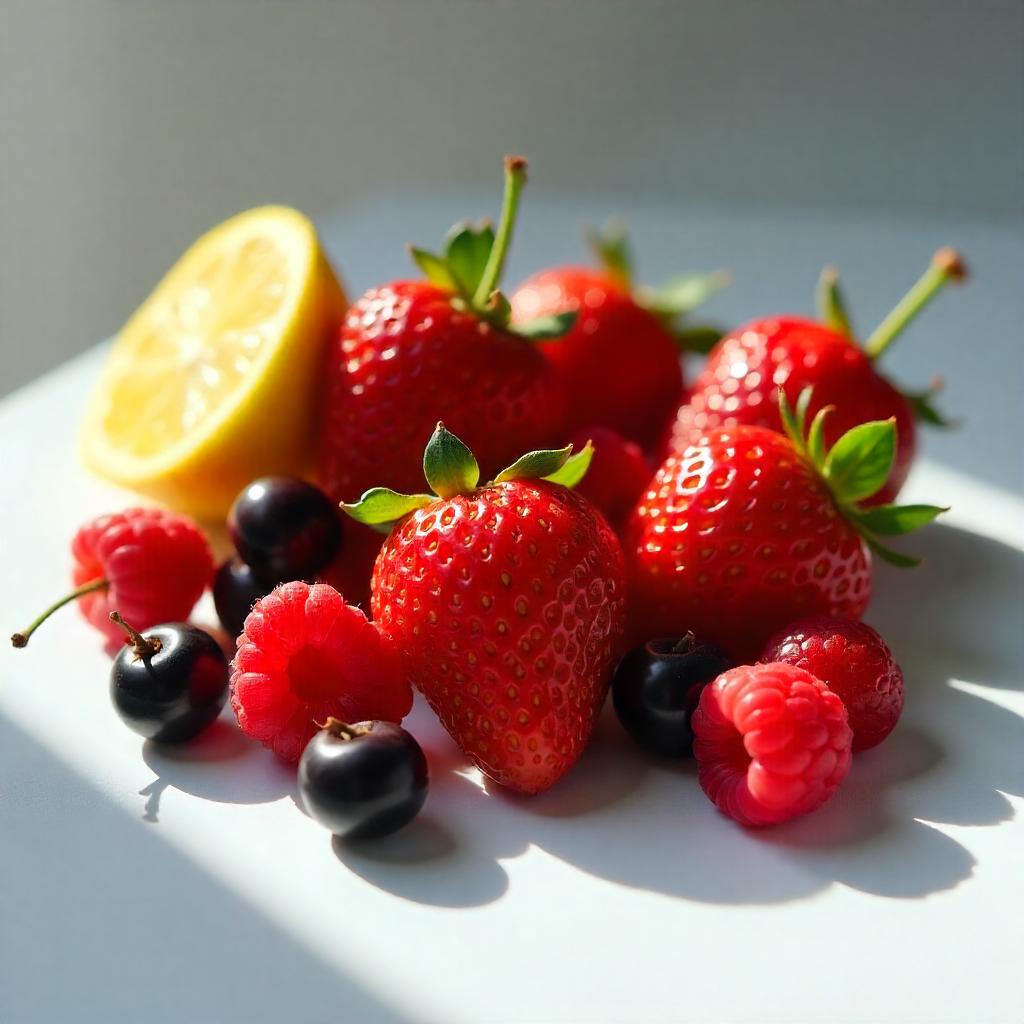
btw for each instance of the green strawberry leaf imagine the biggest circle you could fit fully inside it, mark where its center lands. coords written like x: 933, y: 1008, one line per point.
x: 547, y: 328
x: 434, y: 268
x: 803, y: 403
x: 700, y: 339
x: 892, y: 520
x: 922, y: 406
x: 448, y: 465
x: 896, y: 558
x: 816, y: 435
x: 858, y: 464
x: 831, y: 304
x: 684, y: 294
x: 535, y: 465
x: 610, y: 246
x: 789, y: 422
x: 574, y: 469
x: 466, y: 249
x: 381, y: 506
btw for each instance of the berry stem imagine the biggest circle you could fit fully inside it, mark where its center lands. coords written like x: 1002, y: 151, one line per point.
x: 21, y: 639
x: 947, y: 265
x: 685, y: 644
x: 144, y: 647
x: 336, y: 727
x: 515, y: 179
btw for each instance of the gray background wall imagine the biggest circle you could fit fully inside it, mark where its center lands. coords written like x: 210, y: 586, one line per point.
x: 127, y: 127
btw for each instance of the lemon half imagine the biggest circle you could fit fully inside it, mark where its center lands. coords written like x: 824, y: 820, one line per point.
x: 213, y: 380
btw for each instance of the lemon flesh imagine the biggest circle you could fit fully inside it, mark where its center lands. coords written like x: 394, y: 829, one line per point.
x: 213, y: 381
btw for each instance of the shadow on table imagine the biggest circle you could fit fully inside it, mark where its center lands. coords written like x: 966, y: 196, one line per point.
x: 634, y: 822
x: 221, y: 764
x: 114, y: 924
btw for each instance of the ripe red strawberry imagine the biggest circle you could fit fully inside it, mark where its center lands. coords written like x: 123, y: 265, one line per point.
x: 149, y: 564
x: 740, y: 381
x: 507, y: 603
x: 618, y: 474
x: 771, y: 742
x: 304, y: 656
x: 620, y: 361
x: 411, y: 351
x: 750, y: 529
x: 855, y: 662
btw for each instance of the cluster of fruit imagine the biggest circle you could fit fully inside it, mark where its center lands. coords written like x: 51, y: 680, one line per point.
x: 738, y: 518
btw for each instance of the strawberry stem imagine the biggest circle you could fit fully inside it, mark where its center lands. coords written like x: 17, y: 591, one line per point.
x: 947, y: 265
x: 144, y: 647
x: 21, y: 639
x: 515, y: 179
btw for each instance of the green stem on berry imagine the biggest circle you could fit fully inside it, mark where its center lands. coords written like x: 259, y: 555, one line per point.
x: 21, y: 639
x: 947, y: 265
x: 144, y: 647
x: 515, y: 179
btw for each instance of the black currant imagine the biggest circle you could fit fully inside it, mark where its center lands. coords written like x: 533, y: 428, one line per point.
x: 169, y: 684
x: 364, y: 780
x: 656, y: 688
x: 236, y: 588
x: 284, y: 529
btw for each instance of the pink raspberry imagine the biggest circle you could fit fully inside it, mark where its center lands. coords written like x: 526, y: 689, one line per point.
x: 771, y: 742
x: 305, y: 655
x: 149, y: 564
x: 855, y: 662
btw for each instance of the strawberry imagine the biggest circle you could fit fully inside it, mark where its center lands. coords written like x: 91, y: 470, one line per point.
x: 749, y: 529
x: 620, y: 360
x: 507, y: 602
x: 410, y: 351
x: 740, y: 381
x: 619, y: 473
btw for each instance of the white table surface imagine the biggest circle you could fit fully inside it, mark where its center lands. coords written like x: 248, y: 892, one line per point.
x: 152, y: 885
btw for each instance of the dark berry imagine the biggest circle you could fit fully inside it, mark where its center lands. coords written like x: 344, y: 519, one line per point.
x: 656, y: 689
x: 169, y: 684
x: 284, y: 529
x: 364, y: 780
x: 236, y: 588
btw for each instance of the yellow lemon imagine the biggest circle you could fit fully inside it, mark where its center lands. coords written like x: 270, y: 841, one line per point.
x: 213, y: 381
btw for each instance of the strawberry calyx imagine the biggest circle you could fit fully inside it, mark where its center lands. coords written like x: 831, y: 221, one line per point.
x: 450, y: 469
x: 671, y: 302
x: 946, y: 266
x: 473, y: 258
x: 854, y: 469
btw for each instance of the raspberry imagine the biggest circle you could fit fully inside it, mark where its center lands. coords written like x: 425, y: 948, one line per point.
x: 618, y: 474
x: 855, y: 662
x: 149, y: 564
x: 305, y: 655
x: 771, y: 742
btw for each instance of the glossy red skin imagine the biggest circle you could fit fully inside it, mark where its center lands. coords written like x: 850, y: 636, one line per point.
x: 619, y: 365
x: 406, y: 358
x: 855, y: 662
x: 771, y: 742
x: 305, y: 655
x: 740, y: 382
x: 508, y: 606
x: 619, y: 473
x: 736, y: 538
x: 158, y: 563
